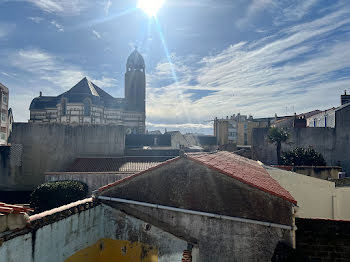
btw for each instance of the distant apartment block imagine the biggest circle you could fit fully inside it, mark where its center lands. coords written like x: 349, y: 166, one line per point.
x: 237, y: 129
x: 4, y: 123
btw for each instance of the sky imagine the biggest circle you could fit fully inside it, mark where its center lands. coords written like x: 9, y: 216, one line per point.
x: 204, y: 59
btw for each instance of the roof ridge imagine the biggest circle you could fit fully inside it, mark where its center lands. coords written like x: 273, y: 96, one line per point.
x: 103, y: 188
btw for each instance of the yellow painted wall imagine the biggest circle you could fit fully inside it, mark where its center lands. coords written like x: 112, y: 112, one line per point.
x: 116, y: 250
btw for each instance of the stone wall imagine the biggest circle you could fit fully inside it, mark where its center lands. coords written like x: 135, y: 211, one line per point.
x: 332, y: 143
x: 51, y: 147
x: 323, y: 240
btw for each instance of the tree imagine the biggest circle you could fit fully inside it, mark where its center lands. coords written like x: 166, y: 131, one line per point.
x: 277, y: 136
x: 303, y: 157
x: 54, y: 194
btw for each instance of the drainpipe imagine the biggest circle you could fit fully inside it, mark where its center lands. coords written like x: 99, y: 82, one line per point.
x: 294, y: 211
x: 193, y: 212
x: 334, y: 206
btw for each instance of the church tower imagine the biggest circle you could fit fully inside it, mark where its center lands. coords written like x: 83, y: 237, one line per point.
x: 135, y: 82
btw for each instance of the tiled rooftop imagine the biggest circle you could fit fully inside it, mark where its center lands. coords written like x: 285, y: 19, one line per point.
x: 13, y: 209
x: 115, y: 164
x: 243, y: 169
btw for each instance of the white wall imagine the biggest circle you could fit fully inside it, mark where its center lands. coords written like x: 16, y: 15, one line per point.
x: 317, y: 198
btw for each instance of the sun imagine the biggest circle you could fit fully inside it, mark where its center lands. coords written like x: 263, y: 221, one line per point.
x: 150, y: 7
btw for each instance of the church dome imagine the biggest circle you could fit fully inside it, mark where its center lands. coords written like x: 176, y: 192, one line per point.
x: 135, y: 61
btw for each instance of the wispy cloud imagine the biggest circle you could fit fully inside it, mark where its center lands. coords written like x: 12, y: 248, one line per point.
x: 299, y: 67
x: 97, y: 34
x: 58, y: 26
x: 36, y: 19
x: 255, y: 7
x: 107, y: 6
x: 294, y: 10
x: 54, y: 69
x: 61, y: 7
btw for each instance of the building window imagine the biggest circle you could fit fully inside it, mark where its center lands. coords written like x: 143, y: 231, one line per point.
x: 64, y: 107
x: 325, y: 121
x: 4, y: 99
x: 3, y: 135
x: 87, y: 108
x: 3, y: 117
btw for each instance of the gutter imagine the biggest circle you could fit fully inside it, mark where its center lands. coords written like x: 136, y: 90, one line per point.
x: 200, y: 213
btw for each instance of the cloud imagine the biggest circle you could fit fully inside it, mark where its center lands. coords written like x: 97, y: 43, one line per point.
x: 58, y: 26
x: 61, y: 7
x: 107, y: 6
x: 300, y: 67
x: 183, y: 128
x: 36, y: 19
x: 105, y: 82
x: 53, y: 69
x: 255, y: 7
x: 97, y: 34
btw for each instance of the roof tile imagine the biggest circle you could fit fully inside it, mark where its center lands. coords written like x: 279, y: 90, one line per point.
x: 243, y: 169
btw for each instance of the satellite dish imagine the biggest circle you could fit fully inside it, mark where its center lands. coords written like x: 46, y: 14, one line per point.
x: 128, y: 131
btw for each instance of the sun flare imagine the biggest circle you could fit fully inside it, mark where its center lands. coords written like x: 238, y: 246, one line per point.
x: 150, y: 7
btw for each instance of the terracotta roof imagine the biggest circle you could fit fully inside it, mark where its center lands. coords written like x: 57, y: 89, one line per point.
x: 115, y: 164
x: 15, y: 209
x: 243, y: 169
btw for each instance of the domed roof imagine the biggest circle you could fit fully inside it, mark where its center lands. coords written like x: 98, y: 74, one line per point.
x: 135, y: 60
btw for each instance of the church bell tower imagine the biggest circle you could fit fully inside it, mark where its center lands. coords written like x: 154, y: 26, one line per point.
x: 135, y: 82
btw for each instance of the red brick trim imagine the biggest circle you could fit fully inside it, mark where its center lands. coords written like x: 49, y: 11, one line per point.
x: 187, y: 256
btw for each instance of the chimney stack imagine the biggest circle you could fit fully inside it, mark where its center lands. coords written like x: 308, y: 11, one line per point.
x: 40, y: 94
x: 344, y: 99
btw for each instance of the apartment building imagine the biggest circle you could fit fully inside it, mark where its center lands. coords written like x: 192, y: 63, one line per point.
x: 4, y: 123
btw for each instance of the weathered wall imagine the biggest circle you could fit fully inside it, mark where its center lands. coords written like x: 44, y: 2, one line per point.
x: 332, y: 143
x: 186, y: 184
x: 93, y: 180
x: 94, y: 232
x: 323, y: 240
x: 317, y: 198
x: 51, y: 147
x: 217, y: 239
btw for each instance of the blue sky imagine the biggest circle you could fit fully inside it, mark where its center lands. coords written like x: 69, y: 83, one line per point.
x: 203, y: 58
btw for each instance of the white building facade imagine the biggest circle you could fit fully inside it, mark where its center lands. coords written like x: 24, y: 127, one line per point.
x: 86, y: 103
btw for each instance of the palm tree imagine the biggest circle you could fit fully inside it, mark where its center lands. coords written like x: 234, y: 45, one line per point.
x: 277, y: 136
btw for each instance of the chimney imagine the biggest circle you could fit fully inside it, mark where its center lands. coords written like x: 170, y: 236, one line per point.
x: 40, y: 94
x: 344, y: 99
